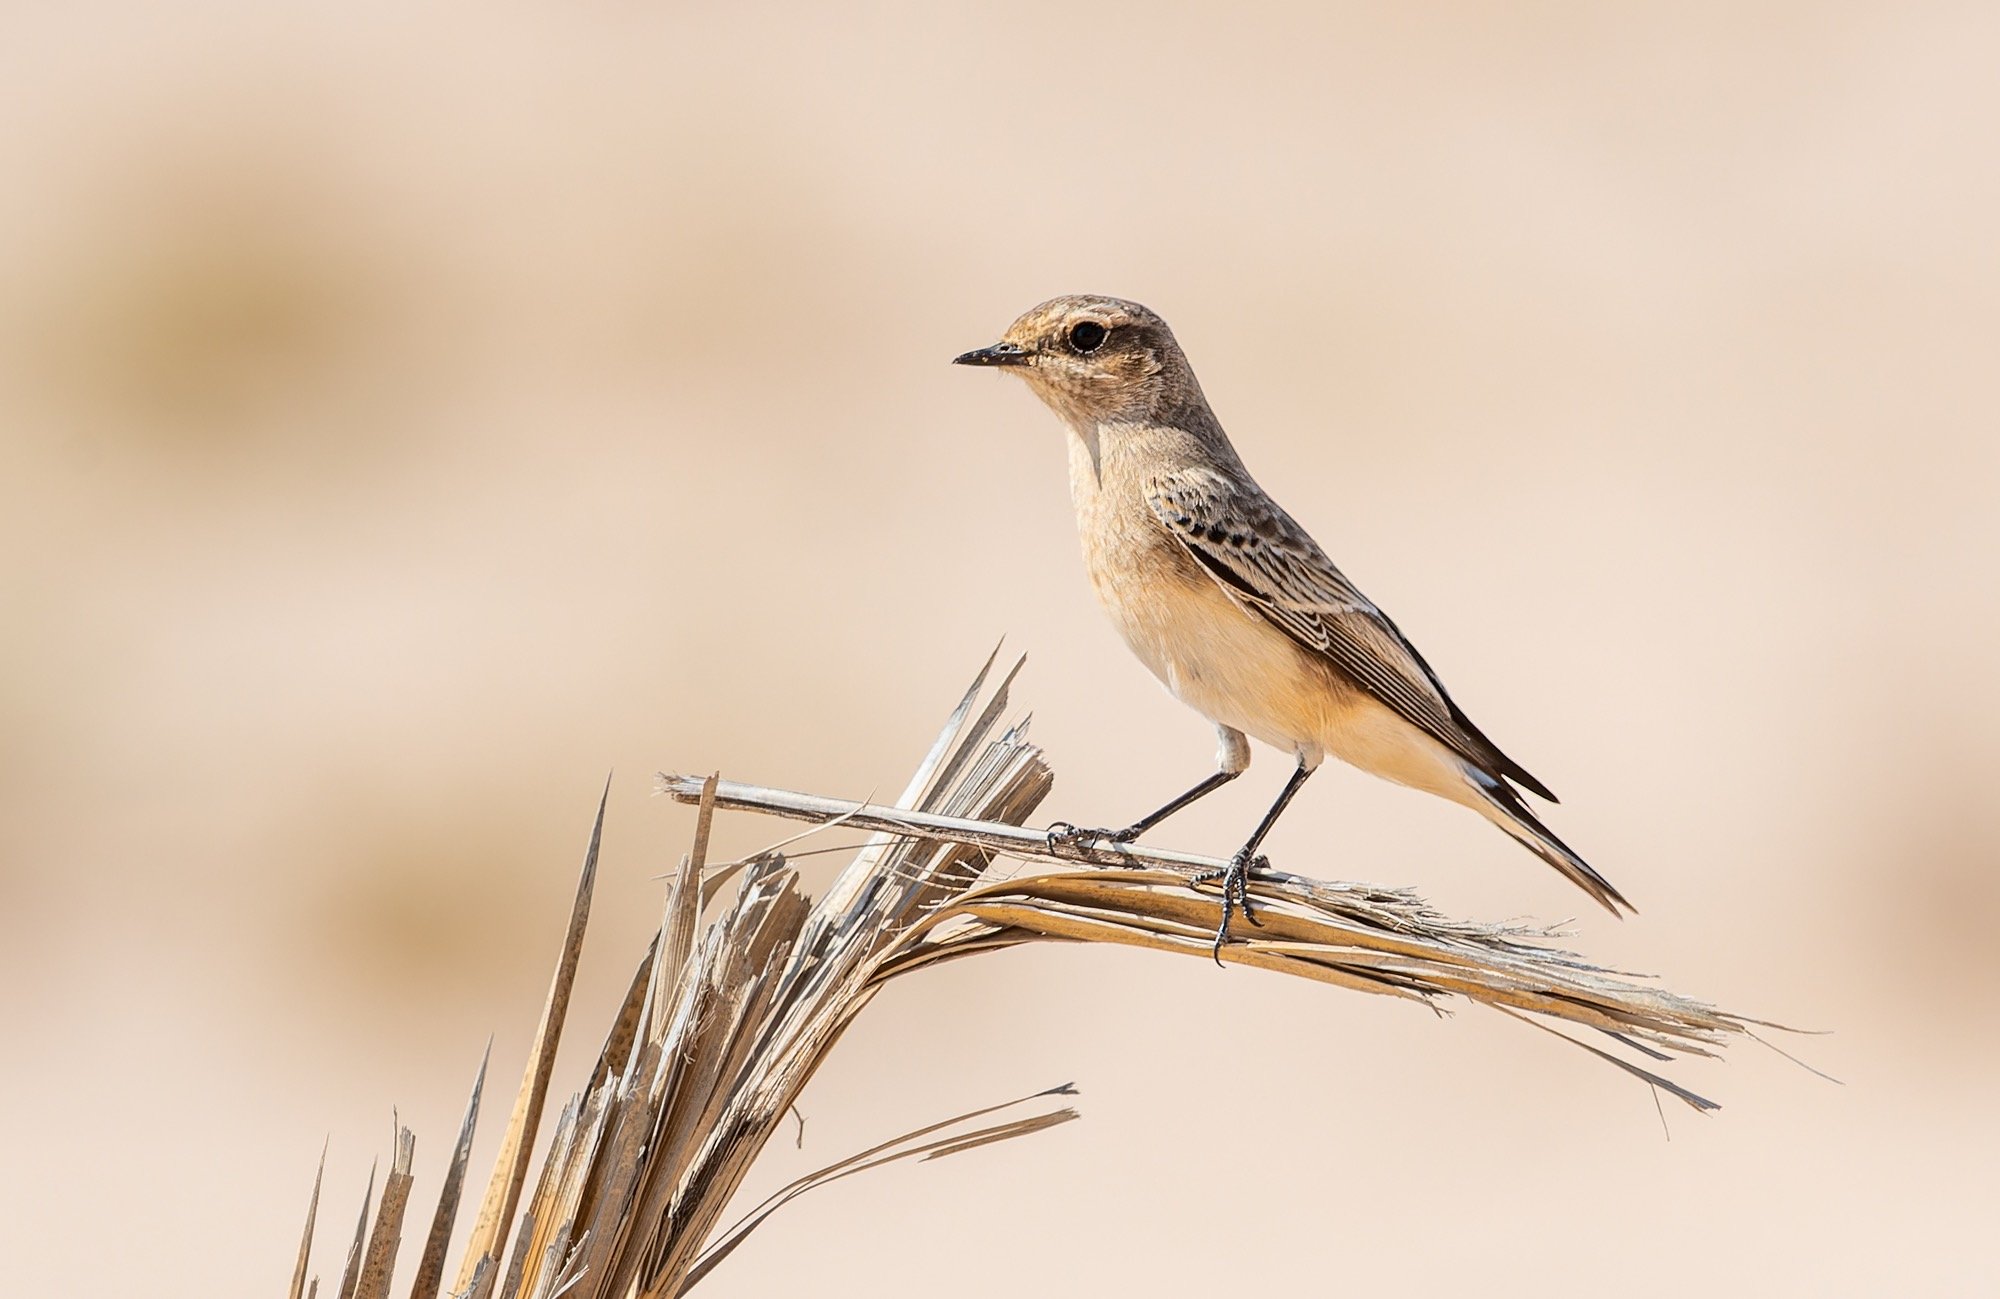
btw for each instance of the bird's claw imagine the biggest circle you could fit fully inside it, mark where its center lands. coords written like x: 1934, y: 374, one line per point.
x: 1235, y: 879
x: 1062, y: 834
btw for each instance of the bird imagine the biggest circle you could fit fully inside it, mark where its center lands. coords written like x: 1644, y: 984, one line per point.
x: 1233, y: 605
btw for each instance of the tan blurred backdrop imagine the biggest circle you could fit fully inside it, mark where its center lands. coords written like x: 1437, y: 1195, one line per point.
x: 412, y: 413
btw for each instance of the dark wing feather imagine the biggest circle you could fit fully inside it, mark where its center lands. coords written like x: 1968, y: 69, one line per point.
x: 1270, y: 564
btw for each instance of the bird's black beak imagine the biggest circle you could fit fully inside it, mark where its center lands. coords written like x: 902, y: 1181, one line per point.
x: 998, y: 354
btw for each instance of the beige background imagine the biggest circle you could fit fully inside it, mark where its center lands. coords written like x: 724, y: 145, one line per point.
x: 412, y: 414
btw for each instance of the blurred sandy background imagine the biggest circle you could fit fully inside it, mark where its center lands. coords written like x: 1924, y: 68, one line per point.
x: 411, y: 414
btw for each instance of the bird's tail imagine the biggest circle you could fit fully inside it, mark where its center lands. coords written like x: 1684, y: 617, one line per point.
x: 1499, y: 803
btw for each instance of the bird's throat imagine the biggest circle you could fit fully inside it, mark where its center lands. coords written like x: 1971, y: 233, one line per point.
x: 1086, y: 457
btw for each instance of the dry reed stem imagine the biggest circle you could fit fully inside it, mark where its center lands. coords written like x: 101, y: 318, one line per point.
x: 724, y: 1023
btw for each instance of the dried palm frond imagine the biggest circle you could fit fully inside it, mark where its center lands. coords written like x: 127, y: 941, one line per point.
x: 724, y: 1023
x: 1359, y: 936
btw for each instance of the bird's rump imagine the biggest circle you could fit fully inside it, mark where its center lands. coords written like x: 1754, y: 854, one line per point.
x: 1272, y: 566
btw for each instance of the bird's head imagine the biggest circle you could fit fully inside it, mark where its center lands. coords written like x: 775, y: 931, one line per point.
x: 1094, y: 360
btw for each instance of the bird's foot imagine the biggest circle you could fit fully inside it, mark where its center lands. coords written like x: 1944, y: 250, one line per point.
x: 1235, y: 880
x: 1063, y: 835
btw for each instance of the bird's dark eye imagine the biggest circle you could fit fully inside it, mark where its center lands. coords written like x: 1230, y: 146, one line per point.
x: 1086, y: 336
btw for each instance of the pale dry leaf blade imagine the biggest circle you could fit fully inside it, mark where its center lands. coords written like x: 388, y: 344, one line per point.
x: 305, y: 1241
x: 920, y: 780
x: 510, y: 1166
x: 1003, y: 1132
x: 684, y: 895
x: 891, y: 1151
x: 350, y: 1276
x: 383, y: 1241
x: 430, y: 1267
x: 538, y: 1221
x: 942, y: 786
x: 624, y: 1164
x: 485, y: 1273
x: 624, y: 1030
x: 1695, y: 1101
x: 716, y: 882
x: 1769, y: 1045
x: 524, y: 1231
x: 1052, y: 924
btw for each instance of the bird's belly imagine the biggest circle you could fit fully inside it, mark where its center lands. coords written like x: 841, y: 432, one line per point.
x: 1222, y: 661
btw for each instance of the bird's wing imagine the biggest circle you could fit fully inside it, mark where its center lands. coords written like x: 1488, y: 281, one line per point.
x: 1264, y: 559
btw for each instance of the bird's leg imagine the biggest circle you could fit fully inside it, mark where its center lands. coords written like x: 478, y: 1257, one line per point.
x: 1230, y: 760
x: 1208, y: 785
x: 1235, y: 877
x: 1062, y: 832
